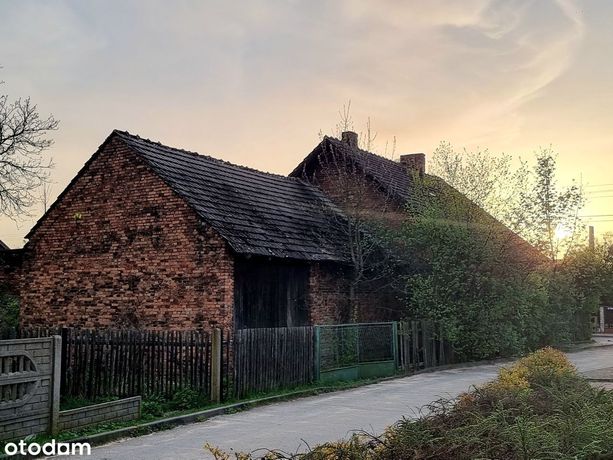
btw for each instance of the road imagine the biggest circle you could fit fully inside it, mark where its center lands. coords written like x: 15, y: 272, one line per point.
x: 290, y: 425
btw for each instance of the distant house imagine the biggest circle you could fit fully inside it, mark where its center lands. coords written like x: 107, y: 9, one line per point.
x: 358, y: 181
x: 151, y: 236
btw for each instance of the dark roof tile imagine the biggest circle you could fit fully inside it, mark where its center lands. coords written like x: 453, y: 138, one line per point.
x: 257, y: 213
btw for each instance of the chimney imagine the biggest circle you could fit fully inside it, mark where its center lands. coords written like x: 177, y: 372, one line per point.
x: 414, y: 162
x: 350, y: 138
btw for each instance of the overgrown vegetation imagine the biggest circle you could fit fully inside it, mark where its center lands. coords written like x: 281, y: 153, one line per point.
x: 495, y: 294
x: 539, y: 408
x: 9, y: 310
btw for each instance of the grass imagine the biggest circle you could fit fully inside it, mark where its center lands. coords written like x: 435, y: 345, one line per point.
x: 538, y: 408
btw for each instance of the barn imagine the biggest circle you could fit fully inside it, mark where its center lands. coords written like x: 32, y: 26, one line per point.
x: 152, y: 236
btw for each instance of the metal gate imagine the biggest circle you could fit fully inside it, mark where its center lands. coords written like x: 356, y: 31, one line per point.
x: 356, y: 351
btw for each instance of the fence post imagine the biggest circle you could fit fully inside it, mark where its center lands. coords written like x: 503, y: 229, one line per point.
x: 216, y: 366
x: 316, y: 351
x: 56, y: 383
x: 395, y: 344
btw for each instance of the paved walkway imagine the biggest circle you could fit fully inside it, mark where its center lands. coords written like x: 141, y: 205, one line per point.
x: 290, y: 425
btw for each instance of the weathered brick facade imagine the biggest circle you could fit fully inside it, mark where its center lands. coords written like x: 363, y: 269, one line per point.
x: 328, y: 294
x: 120, y: 248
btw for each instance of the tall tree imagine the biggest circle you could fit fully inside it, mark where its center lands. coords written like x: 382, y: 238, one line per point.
x: 24, y: 138
x: 550, y: 213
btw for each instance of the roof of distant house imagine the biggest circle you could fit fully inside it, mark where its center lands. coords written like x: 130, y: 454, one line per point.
x: 386, y: 172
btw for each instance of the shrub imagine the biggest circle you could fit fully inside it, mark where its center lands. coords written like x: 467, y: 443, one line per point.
x: 153, y: 406
x: 543, y: 367
x: 188, y: 398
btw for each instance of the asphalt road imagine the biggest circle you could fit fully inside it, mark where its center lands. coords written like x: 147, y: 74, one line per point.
x: 291, y: 425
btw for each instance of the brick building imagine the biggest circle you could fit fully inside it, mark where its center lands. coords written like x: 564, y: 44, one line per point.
x: 151, y: 236
x: 385, y: 192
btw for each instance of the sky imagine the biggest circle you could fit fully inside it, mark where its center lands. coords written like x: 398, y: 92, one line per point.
x: 254, y: 82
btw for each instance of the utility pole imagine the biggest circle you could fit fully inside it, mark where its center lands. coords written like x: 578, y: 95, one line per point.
x: 591, y: 238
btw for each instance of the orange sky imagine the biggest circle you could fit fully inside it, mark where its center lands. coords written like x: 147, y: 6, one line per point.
x: 254, y: 82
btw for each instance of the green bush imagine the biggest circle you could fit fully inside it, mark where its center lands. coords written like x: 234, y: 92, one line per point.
x: 153, y: 406
x: 183, y: 399
x: 9, y: 310
x: 188, y: 398
x: 491, y: 302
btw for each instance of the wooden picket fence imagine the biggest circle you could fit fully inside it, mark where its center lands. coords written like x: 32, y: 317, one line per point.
x: 267, y: 359
x: 133, y: 362
x: 421, y: 345
x: 120, y: 362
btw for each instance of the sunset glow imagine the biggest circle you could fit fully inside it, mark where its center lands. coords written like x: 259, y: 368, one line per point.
x: 255, y: 82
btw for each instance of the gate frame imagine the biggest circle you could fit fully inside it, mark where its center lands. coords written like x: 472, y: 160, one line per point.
x: 358, y: 370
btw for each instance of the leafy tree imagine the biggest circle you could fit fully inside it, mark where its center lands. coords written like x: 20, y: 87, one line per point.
x: 586, y: 276
x: 480, y: 176
x: 550, y: 214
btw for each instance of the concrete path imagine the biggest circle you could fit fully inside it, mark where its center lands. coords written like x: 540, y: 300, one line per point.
x: 292, y: 424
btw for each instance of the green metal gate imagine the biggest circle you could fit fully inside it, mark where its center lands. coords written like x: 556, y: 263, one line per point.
x: 355, y: 351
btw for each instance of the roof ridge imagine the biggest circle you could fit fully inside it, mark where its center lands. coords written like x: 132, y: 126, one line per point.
x: 207, y: 157
x: 357, y: 149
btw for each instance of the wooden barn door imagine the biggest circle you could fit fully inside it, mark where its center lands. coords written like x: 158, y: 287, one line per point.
x: 270, y: 293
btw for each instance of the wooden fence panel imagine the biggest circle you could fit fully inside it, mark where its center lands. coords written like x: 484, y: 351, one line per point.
x: 122, y: 363
x: 421, y: 345
x: 267, y: 359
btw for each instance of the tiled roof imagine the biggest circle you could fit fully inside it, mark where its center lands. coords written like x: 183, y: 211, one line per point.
x: 257, y: 213
x: 386, y: 172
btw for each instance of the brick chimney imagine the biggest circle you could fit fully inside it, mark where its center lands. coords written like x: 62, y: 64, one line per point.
x: 350, y: 138
x: 414, y: 162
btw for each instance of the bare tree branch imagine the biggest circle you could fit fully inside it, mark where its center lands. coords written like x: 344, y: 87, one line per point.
x: 23, y: 142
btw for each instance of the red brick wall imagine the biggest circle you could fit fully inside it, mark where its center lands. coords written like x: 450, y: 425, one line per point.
x: 121, y: 249
x: 328, y: 294
x: 10, y: 261
x: 357, y: 195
